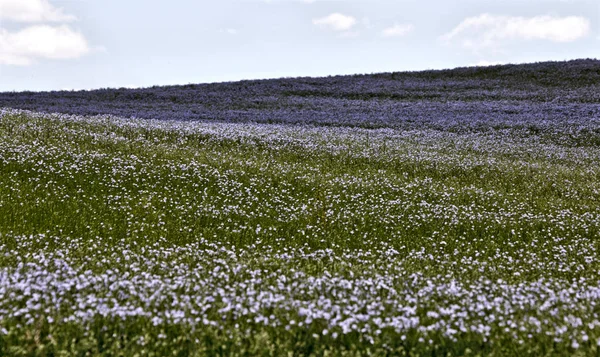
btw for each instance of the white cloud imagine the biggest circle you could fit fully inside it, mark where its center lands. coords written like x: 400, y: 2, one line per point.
x: 32, y: 11
x: 397, y: 30
x: 26, y: 46
x: 488, y: 31
x: 336, y: 22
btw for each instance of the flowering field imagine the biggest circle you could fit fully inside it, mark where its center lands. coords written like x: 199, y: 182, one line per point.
x: 322, y: 221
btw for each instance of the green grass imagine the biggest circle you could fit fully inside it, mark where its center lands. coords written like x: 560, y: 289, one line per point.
x: 371, y: 221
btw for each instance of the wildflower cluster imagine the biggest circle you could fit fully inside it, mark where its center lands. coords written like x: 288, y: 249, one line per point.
x: 149, y: 235
x: 460, y: 226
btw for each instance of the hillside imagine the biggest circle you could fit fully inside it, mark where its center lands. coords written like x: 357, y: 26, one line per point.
x: 437, y: 213
x: 513, y: 94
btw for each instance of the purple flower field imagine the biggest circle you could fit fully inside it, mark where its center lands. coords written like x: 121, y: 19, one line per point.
x: 534, y: 96
x: 436, y: 213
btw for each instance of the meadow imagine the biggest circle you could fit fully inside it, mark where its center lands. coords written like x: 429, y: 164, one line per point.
x: 452, y: 213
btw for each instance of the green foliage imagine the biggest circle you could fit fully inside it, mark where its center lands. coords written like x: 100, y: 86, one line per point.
x: 513, y: 210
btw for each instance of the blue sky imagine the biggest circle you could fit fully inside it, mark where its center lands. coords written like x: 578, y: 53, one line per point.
x: 84, y: 44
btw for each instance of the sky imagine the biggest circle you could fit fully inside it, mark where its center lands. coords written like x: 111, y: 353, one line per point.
x: 87, y: 44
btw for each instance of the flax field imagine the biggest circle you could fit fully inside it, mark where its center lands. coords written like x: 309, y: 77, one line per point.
x: 456, y: 214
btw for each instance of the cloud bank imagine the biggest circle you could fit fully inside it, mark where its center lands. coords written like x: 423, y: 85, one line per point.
x: 488, y: 31
x: 37, y: 40
x: 32, y: 11
x: 25, y: 47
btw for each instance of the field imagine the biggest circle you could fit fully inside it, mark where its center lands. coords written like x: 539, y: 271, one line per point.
x: 420, y: 214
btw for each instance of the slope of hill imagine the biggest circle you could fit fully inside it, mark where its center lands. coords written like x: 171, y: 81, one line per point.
x: 509, y: 94
x: 465, y: 224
